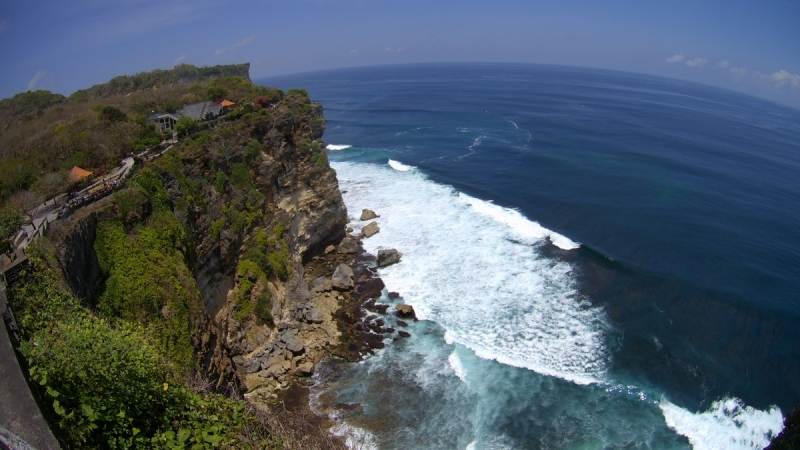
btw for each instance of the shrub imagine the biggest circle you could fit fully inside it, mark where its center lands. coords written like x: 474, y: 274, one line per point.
x: 219, y: 182
x: 252, y: 149
x: 262, y: 310
x: 240, y: 176
x: 185, y: 125
x: 106, y: 383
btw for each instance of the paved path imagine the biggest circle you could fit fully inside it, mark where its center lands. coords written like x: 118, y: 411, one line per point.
x: 19, y: 413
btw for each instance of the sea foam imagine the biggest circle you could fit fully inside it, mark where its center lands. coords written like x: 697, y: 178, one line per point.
x: 335, y: 148
x: 477, y: 270
x: 728, y: 425
x: 396, y: 165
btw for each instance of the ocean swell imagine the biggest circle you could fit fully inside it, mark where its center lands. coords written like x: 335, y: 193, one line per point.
x: 476, y: 269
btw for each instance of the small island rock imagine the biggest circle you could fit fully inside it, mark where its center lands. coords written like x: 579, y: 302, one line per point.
x: 405, y: 310
x: 367, y: 214
x: 388, y: 257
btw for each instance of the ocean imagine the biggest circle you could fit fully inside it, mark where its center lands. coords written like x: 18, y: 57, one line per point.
x: 597, y: 259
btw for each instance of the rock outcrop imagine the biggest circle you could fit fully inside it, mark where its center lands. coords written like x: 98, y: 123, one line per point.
x: 342, y: 277
x: 367, y: 214
x: 370, y: 229
x: 388, y: 257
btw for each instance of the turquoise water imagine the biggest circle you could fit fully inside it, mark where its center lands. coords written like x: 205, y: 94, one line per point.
x: 599, y: 259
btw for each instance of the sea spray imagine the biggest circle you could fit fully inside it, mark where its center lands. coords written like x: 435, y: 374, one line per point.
x: 475, y: 269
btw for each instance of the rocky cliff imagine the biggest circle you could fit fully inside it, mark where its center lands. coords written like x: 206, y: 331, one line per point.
x: 257, y: 200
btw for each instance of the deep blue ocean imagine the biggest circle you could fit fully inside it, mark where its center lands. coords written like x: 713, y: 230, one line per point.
x: 598, y: 259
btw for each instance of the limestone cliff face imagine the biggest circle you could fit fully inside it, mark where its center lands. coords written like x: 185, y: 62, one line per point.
x: 255, y: 191
x: 296, y: 191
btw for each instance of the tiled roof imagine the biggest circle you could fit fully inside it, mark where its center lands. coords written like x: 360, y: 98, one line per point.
x: 200, y: 111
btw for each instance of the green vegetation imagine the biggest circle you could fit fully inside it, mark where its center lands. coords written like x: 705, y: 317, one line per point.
x: 252, y: 149
x: 185, y: 125
x: 108, y: 383
x: 10, y: 221
x: 42, y: 134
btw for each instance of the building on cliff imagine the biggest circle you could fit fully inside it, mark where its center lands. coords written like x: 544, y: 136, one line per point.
x: 201, y: 111
x: 163, y: 121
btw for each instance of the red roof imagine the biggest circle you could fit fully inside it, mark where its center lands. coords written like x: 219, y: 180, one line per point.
x: 77, y: 174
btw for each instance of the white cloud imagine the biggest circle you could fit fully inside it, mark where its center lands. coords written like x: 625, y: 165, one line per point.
x: 180, y: 59
x: 234, y: 46
x: 723, y: 64
x: 395, y: 50
x: 36, y: 79
x: 738, y: 71
x: 697, y: 62
x: 677, y: 58
x: 779, y: 79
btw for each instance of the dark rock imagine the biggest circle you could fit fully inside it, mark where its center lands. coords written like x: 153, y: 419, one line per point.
x: 388, y: 257
x: 374, y: 341
x: 342, y: 277
x: 404, y: 310
x: 381, y: 308
x: 394, y: 295
x: 380, y: 322
x: 370, y: 287
x: 367, y: 214
x: 401, y: 323
x: 371, y: 229
x: 359, y: 326
x: 403, y: 334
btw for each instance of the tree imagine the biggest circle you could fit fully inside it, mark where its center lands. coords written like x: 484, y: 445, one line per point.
x: 216, y: 93
x: 113, y: 114
x: 10, y: 221
x: 185, y: 125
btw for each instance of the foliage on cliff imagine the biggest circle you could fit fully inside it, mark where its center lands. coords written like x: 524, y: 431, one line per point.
x: 109, y: 383
x: 42, y: 135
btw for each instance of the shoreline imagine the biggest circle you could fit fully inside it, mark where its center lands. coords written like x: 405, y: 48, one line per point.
x: 358, y: 339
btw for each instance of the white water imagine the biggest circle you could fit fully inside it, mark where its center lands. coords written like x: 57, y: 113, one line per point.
x: 396, y: 165
x: 457, y: 366
x: 728, y: 425
x: 334, y: 148
x: 475, y: 268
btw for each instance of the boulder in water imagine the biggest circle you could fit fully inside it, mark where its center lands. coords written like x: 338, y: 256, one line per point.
x: 367, y: 214
x: 388, y: 257
x: 404, y: 310
x: 371, y: 229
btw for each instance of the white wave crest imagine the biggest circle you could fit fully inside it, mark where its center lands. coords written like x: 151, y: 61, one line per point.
x: 728, y: 425
x: 513, y: 219
x: 335, y: 148
x: 497, y: 296
x: 396, y: 165
x: 457, y: 366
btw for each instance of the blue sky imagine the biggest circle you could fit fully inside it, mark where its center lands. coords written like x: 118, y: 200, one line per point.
x: 749, y: 46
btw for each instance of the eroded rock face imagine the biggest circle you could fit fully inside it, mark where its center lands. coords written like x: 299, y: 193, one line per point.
x: 370, y: 230
x: 388, y: 257
x: 367, y: 214
x: 342, y: 277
